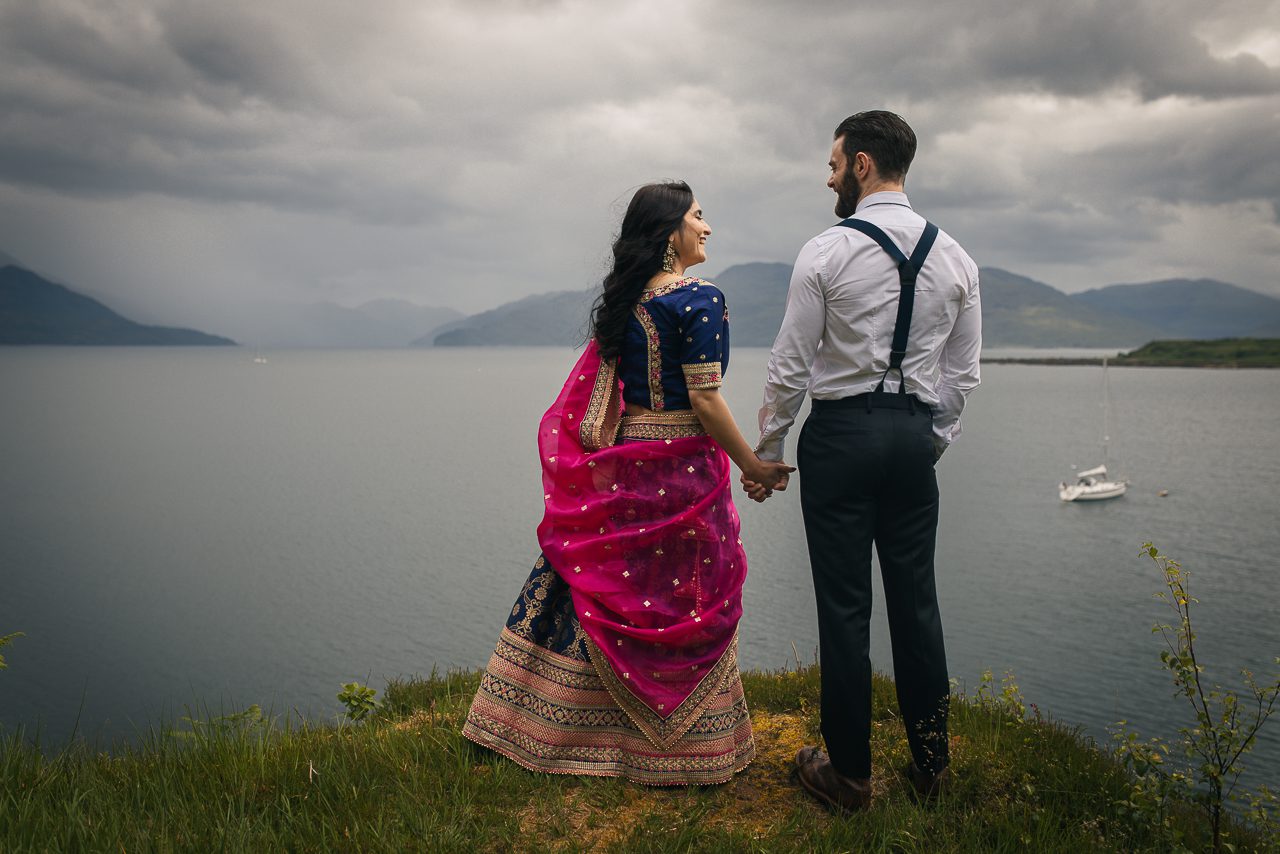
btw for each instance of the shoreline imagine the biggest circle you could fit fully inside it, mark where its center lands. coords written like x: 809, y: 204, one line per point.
x: 1118, y: 362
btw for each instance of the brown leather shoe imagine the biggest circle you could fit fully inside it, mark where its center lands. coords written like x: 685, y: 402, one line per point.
x: 821, y: 779
x: 925, y: 785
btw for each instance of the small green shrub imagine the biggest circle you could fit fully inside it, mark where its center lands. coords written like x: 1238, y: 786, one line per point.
x: 5, y: 641
x: 1226, y: 729
x: 359, y: 699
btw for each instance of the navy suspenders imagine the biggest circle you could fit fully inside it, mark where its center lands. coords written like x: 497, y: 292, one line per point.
x: 908, y: 269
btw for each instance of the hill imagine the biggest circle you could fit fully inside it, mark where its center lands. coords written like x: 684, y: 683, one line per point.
x: 757, y: 297
x: 1016, y: 312
x: 410, y: 320
x: 34, y: 310
x: 326, y: 325
x: 1190, y: 308
x: 558, y: 318
x: 757, y: 294
x: 1222, y: 353
x: 1021, y: 312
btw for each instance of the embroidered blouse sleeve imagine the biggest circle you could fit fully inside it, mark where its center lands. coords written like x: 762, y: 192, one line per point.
x: 704, y: 328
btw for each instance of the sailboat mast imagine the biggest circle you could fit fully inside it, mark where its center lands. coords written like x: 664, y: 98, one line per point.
x: 1106, y: 411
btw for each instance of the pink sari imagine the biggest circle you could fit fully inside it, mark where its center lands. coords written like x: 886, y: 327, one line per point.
x: 646, y: 536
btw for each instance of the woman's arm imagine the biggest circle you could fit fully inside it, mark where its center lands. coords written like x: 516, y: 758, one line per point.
x: 717, y: 420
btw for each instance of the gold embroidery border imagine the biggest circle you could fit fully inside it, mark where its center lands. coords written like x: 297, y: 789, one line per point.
x: 668, y: 288
x: 678, y: 424
x: 599, y: 426
x: 702, y: 375
x: 665, y: 732
x: 654, y: 357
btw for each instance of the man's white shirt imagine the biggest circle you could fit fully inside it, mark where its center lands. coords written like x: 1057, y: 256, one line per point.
x: 838, y: 327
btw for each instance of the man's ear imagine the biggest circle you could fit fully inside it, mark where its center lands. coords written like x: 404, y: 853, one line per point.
x: 862, y: 164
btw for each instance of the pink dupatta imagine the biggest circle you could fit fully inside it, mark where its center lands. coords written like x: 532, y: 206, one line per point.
x: 646, y: 536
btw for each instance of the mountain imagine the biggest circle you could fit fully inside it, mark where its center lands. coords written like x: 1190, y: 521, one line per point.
x: 412, y: 321
x: 544, y: 319
x: 1016, y: 311
x: 1190, y: 308
x: 757, y: 296
x: 326, y: 325
x: 1021, y: 312
x: 34, y: 310
x: 756, y: 293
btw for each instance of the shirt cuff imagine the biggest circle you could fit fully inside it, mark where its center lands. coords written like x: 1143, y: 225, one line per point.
x: 771, y: 448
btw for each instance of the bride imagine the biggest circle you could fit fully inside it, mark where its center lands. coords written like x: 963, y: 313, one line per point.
x: 619, y: 655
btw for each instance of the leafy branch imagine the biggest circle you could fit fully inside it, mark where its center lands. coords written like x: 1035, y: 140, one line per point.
x: 5, y: 641
x: 1225, y: 728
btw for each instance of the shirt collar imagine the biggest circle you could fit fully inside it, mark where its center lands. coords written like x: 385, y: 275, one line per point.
x: 884, y: 197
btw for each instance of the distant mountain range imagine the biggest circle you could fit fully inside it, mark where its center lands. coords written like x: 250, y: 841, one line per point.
x: 1016, y: 312
x: 756, y: 293
x: 1191, y: 308
x: 34, y: 310
x: 555, y: 318
x: 320, y: 325
x: 1021, y: 312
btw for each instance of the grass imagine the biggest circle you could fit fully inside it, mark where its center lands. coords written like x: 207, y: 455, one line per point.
x: 1219, y: 353
x: 405, y: 779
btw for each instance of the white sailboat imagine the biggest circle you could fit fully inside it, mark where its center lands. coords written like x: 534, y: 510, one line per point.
x: 1096, y: 484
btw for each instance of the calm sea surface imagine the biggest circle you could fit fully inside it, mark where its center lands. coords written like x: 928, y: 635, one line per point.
x: 183, y: 527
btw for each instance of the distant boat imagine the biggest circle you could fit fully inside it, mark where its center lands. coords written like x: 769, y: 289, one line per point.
x: 1095, y: 484
x: 259, y: 359
x: 1092, y: 485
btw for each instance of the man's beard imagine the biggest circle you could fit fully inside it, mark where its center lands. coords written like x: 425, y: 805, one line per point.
x: 847, y: 193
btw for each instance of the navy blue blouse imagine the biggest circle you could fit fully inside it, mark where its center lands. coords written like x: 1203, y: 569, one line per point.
x: 676, y: 339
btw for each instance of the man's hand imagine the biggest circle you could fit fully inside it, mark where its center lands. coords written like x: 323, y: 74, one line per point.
x: 771, y: 475
x: 760, y: 483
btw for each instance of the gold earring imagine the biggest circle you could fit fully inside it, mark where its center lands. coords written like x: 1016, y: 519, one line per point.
x: 669, y: 258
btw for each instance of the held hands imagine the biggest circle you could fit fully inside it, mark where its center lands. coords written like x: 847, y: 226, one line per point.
x: 764, y: 478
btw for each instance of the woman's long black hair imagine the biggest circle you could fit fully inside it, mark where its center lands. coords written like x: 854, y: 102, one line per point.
x: 655, y: 211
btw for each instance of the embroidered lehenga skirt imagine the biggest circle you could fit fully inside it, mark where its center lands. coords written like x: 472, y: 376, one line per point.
x: 543, y: 704
x: 620, y: 656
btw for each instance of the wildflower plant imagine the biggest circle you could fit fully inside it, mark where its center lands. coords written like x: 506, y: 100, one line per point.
x: 5, y: 641
x: 1226, y: 726
x: 359, y: 699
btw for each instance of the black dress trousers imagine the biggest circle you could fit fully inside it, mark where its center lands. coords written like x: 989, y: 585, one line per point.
x: 866, y: 476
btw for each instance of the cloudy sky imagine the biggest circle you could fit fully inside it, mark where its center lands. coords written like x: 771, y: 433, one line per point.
x: 172, y: 157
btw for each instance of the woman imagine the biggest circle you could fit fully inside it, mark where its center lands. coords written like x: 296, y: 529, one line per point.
x: 619, y: 657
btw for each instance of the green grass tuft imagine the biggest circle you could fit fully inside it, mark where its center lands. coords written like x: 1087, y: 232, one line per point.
x: 405, y: 779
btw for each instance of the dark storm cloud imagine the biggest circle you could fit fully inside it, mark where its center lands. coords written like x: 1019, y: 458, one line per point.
x: 1083, y: 48
x: 1225, y: 159
x: 1049, y: 131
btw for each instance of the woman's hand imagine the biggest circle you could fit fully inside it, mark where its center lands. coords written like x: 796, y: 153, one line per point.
x: 755, y: 491
x: 718, y: 421
x: 766, y: 474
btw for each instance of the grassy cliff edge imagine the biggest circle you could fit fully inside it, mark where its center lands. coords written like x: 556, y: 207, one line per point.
x: 405, y: 779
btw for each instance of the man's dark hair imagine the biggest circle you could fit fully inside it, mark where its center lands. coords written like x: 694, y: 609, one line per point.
x: 885, y: 136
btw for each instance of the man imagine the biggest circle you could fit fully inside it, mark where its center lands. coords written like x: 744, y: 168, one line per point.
x: 883, y: 329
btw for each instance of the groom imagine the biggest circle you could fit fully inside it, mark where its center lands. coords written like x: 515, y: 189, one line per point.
x: 883, y: 329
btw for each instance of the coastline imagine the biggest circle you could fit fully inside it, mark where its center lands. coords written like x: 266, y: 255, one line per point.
x: 1125, y: 363
x: 1222, y: 353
